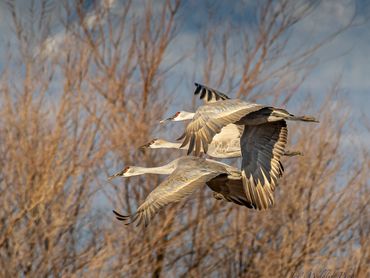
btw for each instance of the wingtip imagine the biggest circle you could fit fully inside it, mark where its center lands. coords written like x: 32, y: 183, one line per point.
x: 123, y: 218
x: 119, y: 215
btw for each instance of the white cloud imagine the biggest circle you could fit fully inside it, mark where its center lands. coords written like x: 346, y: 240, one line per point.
x: 328, y: 16
x: 356, y: 142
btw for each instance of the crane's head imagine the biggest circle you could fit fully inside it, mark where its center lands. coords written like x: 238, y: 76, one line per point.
x: 153, y: 144
x: 126, y: 172
x: 179, y: 116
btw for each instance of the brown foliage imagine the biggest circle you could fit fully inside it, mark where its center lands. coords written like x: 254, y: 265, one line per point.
x: 70, y: 118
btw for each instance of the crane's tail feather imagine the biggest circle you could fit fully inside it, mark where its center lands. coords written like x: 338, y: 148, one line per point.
x: 303, y: 119
x: 287, y: 116
x: 292, y: 153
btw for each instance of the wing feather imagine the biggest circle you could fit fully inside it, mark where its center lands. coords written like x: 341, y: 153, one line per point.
x: 211, y: 118
x: 180, y: 184
x: 208, y: 94
x: 262, y: 147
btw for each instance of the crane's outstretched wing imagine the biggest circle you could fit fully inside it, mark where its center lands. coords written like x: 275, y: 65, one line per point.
x: 262, y: 147
x: 180, y: 184
x: 208, y: 94
x: 209, y: 119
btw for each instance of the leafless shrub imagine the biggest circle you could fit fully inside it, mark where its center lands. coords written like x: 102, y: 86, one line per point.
x: 71, y: 117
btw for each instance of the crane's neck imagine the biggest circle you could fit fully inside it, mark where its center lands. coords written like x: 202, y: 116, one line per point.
x: 162, y: 170
x: 167, y: 145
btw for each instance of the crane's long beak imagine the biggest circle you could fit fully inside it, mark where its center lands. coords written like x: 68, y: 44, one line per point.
x: 118, y: 174
x: 143, y: 147
x: 170, y: 118
x: 114, y: 176
x: 165, y: 120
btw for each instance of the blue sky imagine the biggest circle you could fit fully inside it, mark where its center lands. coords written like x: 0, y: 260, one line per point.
x: 347, y: 56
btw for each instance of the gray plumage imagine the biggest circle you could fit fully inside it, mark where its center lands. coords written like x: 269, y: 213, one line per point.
x: 209, y: 119
x: 262, y: 143
x: 261, y: 135
x: 262, y: 147
x: 190, y: 174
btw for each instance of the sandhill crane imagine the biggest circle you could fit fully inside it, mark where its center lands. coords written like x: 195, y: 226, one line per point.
x: 262, y: 143
x: 187, y: 174
x: 226, y: 144
x: 230, y: 149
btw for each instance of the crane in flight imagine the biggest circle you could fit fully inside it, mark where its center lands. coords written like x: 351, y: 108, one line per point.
x: 186, y: 175
x: 262, y: 143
